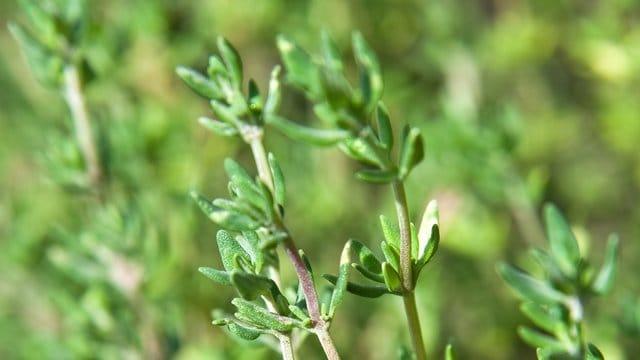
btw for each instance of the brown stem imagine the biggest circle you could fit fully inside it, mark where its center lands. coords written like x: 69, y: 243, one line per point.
x: 253, y: 136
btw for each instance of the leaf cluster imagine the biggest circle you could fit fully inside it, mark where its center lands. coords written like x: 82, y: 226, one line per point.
x: 53, y: 38
x: 555, y: 303
x: 385, y: 272
x: 252, y: 216
x: 357, y: 120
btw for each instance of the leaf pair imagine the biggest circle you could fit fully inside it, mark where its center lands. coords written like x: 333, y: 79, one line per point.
x: 242, y: 260
x: 251, y: 204
x: 386, y: 272
x: 224, y: 75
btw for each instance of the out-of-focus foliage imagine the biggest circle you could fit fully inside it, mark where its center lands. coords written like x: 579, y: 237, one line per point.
x: 519, y: 102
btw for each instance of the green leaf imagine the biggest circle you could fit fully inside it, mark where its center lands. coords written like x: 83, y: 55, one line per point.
x: 300, y: 314
x: 449, y: 353
x: 385, y: 132
x: 42, y: 22
x: 391, y: 277
x: 366, y: 257
x: 307, y: 134
x: 199, y: 83
x: 307, y: 263
x: 274, y: 96
x: 243, y: 332
x: 358, y: 149
x: 564, y: 247
x: 233, y: 220
x: 540, y: 340
x: 593, y: 353
x: 218, y: 127
x: 216, y: 68
x: 415, y: 243
x: 239, y: 208
x: 219, y: 276
x: 229, y: 248
x: 225, y: 114
x: 377, y: 176
x: 232, y: 60
x: 279, y: 189
x: 254, y: 100
x: 258, y: 315
x: 390, y: 231
x: 548, y: 264
x: 369, y: 291
x: 330, y: 53
x: 250, y: 242
x: 251, y: 286
x: 47, y: 66
x: 391, y: 254
x: 540, y: 316
x: 377, y: 277
x: 405, y: 353
x: 341, y: 282
x: 530, y: 288
x: 606, y: 277
x: 428, y: 233
x: 229, y: 219
x: 411, y: 152
x: 267, y: 200
x: 337, y: 89
x: 370, y: 74
x: 301, y: 71
x: 204, y: 204
x: 246, y: 189
x: 233, y: 168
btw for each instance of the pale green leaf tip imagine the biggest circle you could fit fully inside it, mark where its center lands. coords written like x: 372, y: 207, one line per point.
x: 429, y: 219
x: 345, y: 257
x: 284, y: 44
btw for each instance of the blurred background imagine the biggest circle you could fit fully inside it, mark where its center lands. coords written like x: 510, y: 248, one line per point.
x: 520, y: 103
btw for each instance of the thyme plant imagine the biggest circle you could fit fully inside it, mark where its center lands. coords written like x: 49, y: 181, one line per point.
x: 106, y: 256
x: 52, y: 45
x: 362, y: 128
x: 253, y: 217
x: 556, y: 303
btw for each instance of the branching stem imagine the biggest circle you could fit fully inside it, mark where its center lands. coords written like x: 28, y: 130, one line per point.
x: 320, y: 326
x: 402, y: 212
x: 406, y: 270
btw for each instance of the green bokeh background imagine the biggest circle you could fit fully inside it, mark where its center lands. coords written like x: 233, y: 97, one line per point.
x: 520, y: 102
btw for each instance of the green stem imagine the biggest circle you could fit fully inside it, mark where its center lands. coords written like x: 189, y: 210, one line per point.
x: 320, y: 327
x: 402, y: 212
x: 75, y: 100
x: 285, y: 347
x: 413, y: 319
x: 406, y: 270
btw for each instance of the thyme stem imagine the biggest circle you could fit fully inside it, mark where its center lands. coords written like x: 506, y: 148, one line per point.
x: 76, y: 102
x: 406, y: 270
x: 320, y: 326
